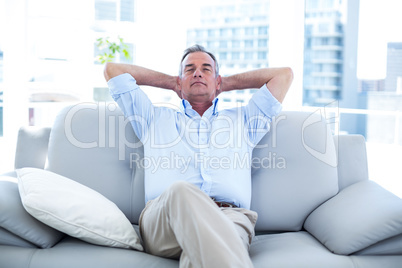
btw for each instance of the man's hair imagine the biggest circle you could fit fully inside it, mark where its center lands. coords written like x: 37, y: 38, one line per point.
x: 197, y: 48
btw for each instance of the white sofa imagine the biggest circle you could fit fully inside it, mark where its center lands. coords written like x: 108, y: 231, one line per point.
x: 316, y: 206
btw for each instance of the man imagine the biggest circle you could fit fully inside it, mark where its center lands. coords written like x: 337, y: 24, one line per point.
x: 198, y: 206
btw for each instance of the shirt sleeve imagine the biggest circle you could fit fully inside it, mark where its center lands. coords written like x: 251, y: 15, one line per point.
x: 133, y: 102
x: 259, y: 112
x: 266, y: 102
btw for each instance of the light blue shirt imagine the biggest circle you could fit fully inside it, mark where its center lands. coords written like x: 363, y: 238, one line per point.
x: 212, y: 151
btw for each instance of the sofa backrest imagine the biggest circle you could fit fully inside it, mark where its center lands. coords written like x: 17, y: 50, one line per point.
x: 300, y: 171
x: 293, y: 173
x: 91, y: 144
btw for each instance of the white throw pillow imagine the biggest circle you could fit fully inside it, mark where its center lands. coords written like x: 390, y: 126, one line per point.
x: 361, y: 215
x: 75, y: 209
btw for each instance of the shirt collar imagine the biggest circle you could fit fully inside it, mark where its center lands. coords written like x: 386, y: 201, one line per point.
x: 188, y: 109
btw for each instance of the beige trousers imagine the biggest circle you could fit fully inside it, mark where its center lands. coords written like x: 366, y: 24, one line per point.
x: 185, y: 223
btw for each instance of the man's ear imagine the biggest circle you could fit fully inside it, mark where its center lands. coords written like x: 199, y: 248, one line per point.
x: 178, y: 87
x: 178, y: 82
x: 218, y: 83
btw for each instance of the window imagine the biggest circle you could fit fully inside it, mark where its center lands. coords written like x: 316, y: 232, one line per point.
x: 223, y: 44
x: 248, y: 55
x: 312, y: 4
x: 224, y: 32
x: 323, y: 27
x: 211, y: 33
x: 223, y: 56
x: 105, y: 10
x: 235, y: 55
x: 199, y: 33
x: 262, y: 55
x: 122, y: 59
x: 327, y: 3
x: 119, y: 57
x: 235, y: 31
x: 127, y: 10
x: 262, y: 43
x: 249, y: 31
x: 114, y: 10
x: 248, y: 43
x: 263, y: 30
x: 235, y: 44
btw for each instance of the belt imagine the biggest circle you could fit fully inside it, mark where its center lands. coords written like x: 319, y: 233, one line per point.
x: 223, y: 204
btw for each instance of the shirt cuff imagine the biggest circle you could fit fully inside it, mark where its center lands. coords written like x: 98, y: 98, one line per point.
x: 266, y: 102
x: 121, y: 84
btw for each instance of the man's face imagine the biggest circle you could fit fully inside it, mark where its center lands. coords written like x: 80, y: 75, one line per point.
x: 198, y: 82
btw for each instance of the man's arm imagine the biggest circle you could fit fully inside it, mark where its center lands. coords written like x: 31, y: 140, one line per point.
x: 143, y: 76
x: 278, y: 81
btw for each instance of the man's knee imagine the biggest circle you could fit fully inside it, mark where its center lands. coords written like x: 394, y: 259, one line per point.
x: 180, y: 187
x: 181, y: 192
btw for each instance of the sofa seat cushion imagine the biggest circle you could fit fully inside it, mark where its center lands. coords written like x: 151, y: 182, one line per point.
x: 22, y: 227
x: 361, y: 215
x: 75, y: 209
x: 294, y: 249
x: 71, y: 252
x: 390, y: 246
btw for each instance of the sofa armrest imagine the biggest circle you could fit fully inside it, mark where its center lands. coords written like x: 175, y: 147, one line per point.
x: 352, y: 159
x: 32, y: 147
x: 9, y: 239
x: 17, y: 221
x: 357, y: 217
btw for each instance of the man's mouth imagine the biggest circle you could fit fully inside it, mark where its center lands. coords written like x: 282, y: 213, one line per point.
x: 198, y: 82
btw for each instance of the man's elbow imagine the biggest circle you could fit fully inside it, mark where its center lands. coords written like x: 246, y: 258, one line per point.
x: 281, y: 83
x: 288, y: 75
x: 287, y: 79
x: 109, y: 70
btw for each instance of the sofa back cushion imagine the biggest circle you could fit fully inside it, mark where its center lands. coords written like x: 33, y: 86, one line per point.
x: 294, y: 171
x: 92, y: 144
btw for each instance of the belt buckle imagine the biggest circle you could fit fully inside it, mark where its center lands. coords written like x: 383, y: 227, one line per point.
x: 223, y: 204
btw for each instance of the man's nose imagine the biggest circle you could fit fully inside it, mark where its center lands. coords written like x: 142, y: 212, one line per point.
x: 197, y: 73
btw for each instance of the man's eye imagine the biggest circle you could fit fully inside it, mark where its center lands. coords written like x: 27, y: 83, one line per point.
x: 189, y: 70
x: 206, y: 69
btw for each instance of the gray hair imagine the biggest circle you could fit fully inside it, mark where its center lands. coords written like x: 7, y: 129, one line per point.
x: 198, y: 48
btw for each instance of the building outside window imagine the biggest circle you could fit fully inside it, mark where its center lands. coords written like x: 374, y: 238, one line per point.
x: 249, y: 24
x: 248, y: 43
x: 114, y: 10
x: 105, y: 10
x: 127, y: 10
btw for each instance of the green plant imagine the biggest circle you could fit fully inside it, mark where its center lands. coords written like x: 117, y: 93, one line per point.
x: 108, y: 49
